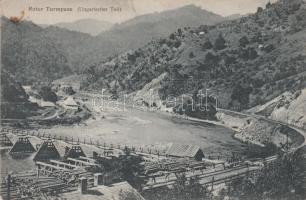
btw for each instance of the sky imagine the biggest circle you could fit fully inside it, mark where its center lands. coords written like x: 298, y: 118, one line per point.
x: 126, y: 9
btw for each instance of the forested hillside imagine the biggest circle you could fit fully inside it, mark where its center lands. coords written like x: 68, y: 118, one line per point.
x: 245, y: 62
x: 29, y: 55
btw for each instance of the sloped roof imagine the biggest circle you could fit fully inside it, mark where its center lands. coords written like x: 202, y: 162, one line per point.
x: 22, y: 144
x: 182, y: 150
x: 47, y: 150
x: 47, y: 104
x: 69, y: 101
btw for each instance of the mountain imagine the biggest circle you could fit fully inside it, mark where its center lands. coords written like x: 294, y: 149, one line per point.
x: 29, y: 55
x: 189, y: 15
x: 138, y: 31
x: 234, y: 16
x: 82, y: 50
x: 244, y: 62
x: 90, y: 26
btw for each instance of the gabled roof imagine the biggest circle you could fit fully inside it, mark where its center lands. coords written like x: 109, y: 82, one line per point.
x: 22, y: 144
x: 46, y: 151
x: 69, y: 101
x: 182, y: 150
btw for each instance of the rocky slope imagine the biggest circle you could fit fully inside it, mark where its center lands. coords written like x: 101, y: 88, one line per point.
x: 289, y: 107
x: 244, y: 62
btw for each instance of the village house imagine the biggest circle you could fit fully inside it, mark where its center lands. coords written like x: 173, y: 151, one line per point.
x: 69, y: 103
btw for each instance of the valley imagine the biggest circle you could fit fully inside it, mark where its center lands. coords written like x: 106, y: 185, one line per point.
x: 177, y: 104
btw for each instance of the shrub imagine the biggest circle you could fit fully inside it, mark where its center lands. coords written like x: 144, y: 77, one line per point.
x: 244, y: 41
x: 177, y: 43
x: 211, y: 58
x: 131, y: 57
x: 191, y: 55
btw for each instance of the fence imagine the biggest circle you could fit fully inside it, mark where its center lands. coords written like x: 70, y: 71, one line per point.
x: 87, y: 141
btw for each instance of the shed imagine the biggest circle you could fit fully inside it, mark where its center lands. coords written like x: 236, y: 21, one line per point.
x: 185, y: 151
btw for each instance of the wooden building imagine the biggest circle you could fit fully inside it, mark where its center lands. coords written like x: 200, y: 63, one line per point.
x: 47, y: 151
x: 185, y: 151
x: 22, y: 145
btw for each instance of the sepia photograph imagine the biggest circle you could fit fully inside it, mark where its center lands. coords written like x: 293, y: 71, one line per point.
x: 153, y: 100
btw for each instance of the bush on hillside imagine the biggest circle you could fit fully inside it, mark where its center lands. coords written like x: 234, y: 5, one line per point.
x: 220, y: 43
x: 244, y: 41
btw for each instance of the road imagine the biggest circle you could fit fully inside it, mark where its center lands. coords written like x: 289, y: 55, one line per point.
x: 298, y: 129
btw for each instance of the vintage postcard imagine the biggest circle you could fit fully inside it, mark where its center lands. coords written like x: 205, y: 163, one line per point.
x: 153, y: 99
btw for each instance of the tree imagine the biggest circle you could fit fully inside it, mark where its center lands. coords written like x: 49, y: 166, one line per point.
x: 211, y: 58
x: 130, y: 169
x: 220, y: 43
x: 281, y: 179
x: 179, y: 31
x: 47, y: 94
x: 172, y: 36
x: 259, y: 9
x: 191, y: 55
x: 207, y: 45
x: 241, y: 94
x: 268, y: 5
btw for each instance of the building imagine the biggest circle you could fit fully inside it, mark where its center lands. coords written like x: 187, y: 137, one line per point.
x: 46, y: 104
x: 22, y: 145
x: 47, y: 151
x: 5, y: 141
x: 185, y: 151
x: 70, y: 103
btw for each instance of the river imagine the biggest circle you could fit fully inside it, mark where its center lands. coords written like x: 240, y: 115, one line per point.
x: 139, y: 128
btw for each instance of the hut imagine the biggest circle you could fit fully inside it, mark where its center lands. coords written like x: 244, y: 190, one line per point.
x: 5, y: 141
x: 185, y: 151
x: 70, y: 103
x: 22, y: 145
x: 74, y: 151
x: 47, y: 151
